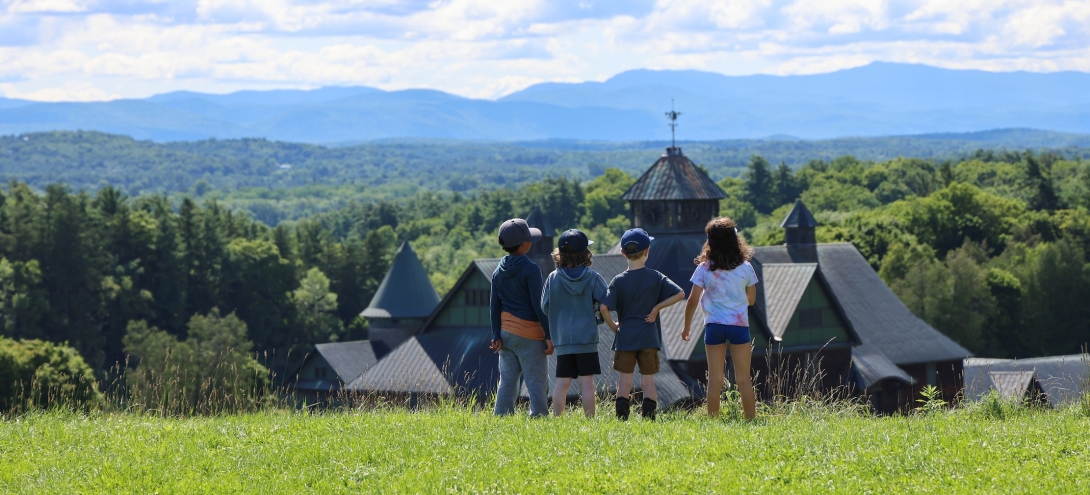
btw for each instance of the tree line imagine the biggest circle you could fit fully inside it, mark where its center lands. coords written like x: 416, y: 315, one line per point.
x: 991, y: 250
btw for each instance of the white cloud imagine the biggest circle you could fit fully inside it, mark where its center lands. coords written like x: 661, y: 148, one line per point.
x: 488, y: 48
x: 67, y: 92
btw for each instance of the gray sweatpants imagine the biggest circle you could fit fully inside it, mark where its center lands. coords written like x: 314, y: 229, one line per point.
x: 522, y: 358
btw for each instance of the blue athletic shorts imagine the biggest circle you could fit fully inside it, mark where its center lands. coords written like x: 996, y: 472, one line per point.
x: 715, y: 334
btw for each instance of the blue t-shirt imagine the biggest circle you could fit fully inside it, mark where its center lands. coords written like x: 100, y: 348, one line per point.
x: 633, y: 294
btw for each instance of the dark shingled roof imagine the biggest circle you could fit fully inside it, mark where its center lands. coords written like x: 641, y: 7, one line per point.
x: 674, y: 177
x: 869, y: 369
x: 348, y: 359
x: 438, y: 362
x: 1063, y: 379
x: 799, y: 216
x: 537, y: 220
x: 405, y: 292
x: 881, y: 322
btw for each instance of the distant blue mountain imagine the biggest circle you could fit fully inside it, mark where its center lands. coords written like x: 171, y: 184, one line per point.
x: 875, y: 100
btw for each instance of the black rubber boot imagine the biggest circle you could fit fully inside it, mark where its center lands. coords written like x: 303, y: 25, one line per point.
x: 624, y: 404
x: 650, y: 408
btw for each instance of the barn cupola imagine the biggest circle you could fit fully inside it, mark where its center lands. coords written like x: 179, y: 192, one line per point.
x: 799, y: 226
x: 674, y: 195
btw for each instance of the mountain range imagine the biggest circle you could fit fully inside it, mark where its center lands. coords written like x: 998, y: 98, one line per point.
x: 874, y: 100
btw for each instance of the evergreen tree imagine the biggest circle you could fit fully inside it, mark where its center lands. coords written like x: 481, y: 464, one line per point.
x: 760, y: 191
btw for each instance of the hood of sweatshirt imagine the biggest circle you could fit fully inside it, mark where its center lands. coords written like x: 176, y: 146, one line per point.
x: 574, y: 285
x: 510, y: 266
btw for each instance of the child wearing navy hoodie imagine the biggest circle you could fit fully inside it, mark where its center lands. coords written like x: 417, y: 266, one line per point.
x: 570, y: 298
x: 520, y: 329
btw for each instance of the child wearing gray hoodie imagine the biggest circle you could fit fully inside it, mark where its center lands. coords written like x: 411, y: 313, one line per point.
x: 570, y: 298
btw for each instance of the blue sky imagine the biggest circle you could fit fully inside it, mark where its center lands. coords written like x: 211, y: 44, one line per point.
x: 55, y: 50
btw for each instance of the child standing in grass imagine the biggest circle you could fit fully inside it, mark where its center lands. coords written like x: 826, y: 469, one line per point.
x: 569, y: 299
x: 520, y: 330
x: 638, y: 294
x: 724, y: 285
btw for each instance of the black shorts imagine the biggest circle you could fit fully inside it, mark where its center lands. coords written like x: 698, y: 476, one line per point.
x: 577, y: 365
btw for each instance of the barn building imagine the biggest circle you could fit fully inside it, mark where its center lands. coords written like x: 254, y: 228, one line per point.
x: 399, y: 307
x: 820, y: 308
x: 1053, y: 380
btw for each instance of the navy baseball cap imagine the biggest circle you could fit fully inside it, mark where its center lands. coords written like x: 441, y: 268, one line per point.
x: 635, y: 240
x: 515, y: 231
x: 573, y: 241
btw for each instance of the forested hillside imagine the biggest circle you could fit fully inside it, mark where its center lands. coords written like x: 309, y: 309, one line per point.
x: 990, y: 250
x: 276, y: 180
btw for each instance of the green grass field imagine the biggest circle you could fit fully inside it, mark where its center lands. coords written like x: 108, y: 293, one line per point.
x: 452, y: 449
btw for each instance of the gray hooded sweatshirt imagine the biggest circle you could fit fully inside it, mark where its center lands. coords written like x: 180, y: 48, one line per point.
x: 570, y: 303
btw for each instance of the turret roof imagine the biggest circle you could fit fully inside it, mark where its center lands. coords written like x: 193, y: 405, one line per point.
x: 674, y: 177
x: 799, y: 217
x: 406, y: 291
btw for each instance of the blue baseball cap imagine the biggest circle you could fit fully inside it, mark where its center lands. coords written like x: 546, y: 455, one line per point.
x: 635, y: 240
x: 516, y: 231
x: 573, y: 241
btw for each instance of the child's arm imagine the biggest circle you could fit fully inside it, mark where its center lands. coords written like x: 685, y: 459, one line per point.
x: 690, y: 310
x: 608, y: 317
x: 670, y: 301
x: 545, y: 295
x: 495, y: 308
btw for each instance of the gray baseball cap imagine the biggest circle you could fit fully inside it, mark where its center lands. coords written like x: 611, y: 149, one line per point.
x: 515, y: 231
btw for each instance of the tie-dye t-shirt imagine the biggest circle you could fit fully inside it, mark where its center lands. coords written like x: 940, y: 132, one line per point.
x: 724, y: 300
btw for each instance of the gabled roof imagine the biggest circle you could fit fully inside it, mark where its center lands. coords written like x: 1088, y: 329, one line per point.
x: 1011, y: 384
x: 405, y: 292
x: 784, y: 284
x: 872, y: 312
x: 674, y: 177
x: 799, y: 216
x: 537, y: 220
x: 1061, y: 378
x: 439, y: 362
x: 348, y: 359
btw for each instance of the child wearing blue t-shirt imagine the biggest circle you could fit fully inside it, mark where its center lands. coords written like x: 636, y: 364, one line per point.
x: 724, y: 285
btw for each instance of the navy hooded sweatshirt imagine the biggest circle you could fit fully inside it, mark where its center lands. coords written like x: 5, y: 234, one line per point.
x: 516, y: 289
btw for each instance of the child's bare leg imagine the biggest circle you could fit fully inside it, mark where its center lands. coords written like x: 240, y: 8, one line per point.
x: 586, y: 393
x: 560, y: 396
x: 741, y: 355
x: 624, y: 385
x: 717, y: 356
x: 647, y: 383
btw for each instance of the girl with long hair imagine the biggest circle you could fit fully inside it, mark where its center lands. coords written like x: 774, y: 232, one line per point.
x: 724, y: 286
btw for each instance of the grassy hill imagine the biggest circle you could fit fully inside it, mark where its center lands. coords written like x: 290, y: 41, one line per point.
x: 453, y: 449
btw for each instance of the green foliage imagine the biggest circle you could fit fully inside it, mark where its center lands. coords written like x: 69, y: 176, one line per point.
x: 40, y: 375
x: 930, y: 400
x: 315, y: 308
x: 212, y: 371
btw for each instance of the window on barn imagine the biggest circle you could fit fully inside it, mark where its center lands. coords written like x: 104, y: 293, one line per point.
x: 811, y: 318
x: 477, y: 297
x: 320, y: 372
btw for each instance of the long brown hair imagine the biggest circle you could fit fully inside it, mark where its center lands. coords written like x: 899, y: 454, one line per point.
x: 724, y: 249
x: 572, y: 260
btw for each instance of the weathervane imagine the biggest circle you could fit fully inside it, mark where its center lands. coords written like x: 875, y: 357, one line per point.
x: 672, y: 115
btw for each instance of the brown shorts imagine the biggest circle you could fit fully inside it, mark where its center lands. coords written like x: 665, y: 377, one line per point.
x: 647, y: 359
